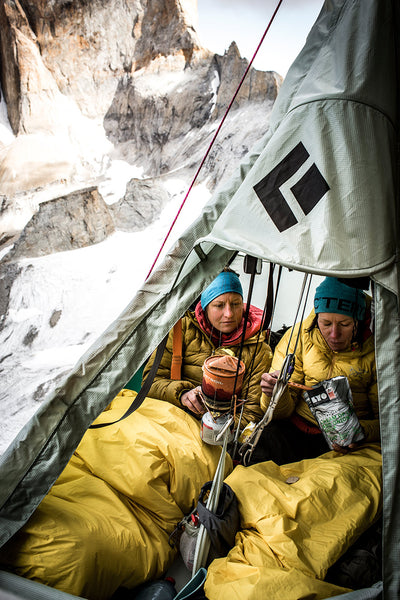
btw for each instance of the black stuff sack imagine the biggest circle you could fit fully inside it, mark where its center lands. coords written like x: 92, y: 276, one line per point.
x: 222, y: 525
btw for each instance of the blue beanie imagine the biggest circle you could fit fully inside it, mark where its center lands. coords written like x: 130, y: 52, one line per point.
x: 333, y: 296
x: 223, y: 283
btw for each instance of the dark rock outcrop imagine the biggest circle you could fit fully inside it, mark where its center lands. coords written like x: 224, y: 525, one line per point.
x: 140, y: 206
x: 74, y: 221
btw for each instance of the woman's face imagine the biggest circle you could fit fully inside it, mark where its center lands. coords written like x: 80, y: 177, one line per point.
x: 225, y: 312
x: 337, y: 330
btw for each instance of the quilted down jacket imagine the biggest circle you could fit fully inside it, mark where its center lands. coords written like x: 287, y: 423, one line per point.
x: 316, y: 362
x: 196, y: 347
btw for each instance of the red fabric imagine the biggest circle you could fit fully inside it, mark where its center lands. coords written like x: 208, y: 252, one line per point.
x: 304, y: 425
x: 229, y: 339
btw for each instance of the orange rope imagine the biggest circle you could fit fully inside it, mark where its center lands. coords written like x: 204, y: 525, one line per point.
x: 215, y: 136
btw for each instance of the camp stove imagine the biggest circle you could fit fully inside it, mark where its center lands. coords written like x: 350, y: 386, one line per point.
x: 221, y: 384
x: 213, y: 429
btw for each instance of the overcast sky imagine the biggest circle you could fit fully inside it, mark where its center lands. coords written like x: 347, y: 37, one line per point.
x: 244, y: 21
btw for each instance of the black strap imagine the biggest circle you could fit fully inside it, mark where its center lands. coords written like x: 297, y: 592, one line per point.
x: 270, y: 299
x: 144, y: 390
x: 246, y: 319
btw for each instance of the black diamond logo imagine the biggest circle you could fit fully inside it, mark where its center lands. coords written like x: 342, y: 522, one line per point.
x: 308, y: 191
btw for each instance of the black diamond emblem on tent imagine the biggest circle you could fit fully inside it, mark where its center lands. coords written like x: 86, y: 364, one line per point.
x: 308, y: 190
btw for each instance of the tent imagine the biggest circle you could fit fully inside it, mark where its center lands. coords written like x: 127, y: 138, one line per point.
x: 319, y: 194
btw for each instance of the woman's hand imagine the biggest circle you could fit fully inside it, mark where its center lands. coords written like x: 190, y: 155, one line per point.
x: 346, y: 449
x: 192, y: 400
x: 268, y: 382
x: 350, y: 447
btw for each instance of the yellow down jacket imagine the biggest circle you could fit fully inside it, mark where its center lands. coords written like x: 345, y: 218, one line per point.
x: 316, y: 362
x: 196, y: 347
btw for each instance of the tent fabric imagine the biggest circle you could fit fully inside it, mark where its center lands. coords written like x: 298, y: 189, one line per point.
x: 387, y: 340
x: 14, y: 587
x: 304, y: 207
x: 107, y: 519
x: 296, y: 522
x: 317, y: 194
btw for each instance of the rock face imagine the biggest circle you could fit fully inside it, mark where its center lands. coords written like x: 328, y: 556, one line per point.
x: 149, y: 122
x: 87, y: 82
x: 140, y: 206
x: 65, y: 65
x: 70, y: 222
x: 84, y: 46
x: 60, y: 64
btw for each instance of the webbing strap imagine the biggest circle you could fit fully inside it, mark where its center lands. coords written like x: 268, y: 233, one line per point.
x: 304, y: 300
x: 266, y: 318
x: 176, y: 363
x: 269, y: 306
x: 144, y: 390
x: 246, y: 319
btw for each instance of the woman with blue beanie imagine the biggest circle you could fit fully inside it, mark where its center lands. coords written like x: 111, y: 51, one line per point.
x: 334, y: 340
x: 215, y: 327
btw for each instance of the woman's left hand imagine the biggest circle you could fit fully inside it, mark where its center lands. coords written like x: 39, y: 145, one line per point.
x: 350, y: 447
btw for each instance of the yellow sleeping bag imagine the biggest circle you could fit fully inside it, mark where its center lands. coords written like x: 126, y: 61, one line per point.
x: 296, y: 521
x: 106, y: 521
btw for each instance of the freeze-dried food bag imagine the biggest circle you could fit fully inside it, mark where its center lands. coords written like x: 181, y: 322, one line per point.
x: 331, y: 403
